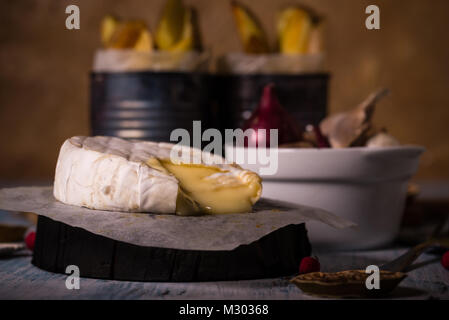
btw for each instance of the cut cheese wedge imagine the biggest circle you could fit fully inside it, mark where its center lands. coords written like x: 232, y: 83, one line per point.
x: 215, y: 190
x: 107, y: 173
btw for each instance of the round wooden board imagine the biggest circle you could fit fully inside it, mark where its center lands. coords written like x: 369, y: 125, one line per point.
x: 59, y: 245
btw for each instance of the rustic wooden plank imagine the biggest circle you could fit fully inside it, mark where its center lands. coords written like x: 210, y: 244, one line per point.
x: 46, y: 240
x: 92, y: 254
x: 130, y: 262
x: 59, y: 245
x: 20, y: 280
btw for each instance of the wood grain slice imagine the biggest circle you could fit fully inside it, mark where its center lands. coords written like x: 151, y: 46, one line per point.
x: 59, y: 245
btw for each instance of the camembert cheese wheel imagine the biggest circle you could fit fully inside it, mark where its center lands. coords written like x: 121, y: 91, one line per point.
x: 108, y: 173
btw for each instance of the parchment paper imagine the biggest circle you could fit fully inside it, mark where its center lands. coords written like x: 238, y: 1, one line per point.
x: 241, y: 63
x: 209, y: 233
x: 112, y: 60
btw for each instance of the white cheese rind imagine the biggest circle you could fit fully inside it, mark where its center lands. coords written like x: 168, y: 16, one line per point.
x: 105, y: 178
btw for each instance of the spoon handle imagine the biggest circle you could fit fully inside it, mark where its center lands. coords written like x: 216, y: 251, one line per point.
x: 7, y: 249
x: 401, y: 263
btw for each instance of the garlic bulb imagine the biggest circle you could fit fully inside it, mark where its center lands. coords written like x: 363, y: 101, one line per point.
x: 382, y: 139
x: 344, y: 129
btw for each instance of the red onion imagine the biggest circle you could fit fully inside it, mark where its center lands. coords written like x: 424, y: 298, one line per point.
x: 271, y: 115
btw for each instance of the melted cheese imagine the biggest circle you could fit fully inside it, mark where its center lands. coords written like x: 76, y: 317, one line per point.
x: 214, y: 190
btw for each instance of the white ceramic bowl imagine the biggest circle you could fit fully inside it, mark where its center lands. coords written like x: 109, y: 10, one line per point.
x: 365, y: 185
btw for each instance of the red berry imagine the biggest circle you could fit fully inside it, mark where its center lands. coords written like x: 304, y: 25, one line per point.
x: 445, y: 260
x: 308, y: 265
x: 29, y: 240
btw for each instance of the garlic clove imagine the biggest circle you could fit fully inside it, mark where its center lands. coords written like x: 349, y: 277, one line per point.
x: 344, y: 129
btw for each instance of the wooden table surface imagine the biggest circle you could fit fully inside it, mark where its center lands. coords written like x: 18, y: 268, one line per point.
x: 19, y: 279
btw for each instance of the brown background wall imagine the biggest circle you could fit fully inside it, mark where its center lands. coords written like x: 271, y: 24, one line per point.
x: 44, y: 69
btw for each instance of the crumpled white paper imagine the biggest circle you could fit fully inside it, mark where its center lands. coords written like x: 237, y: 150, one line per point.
x: 123, y: 60
x: 209, y: 233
